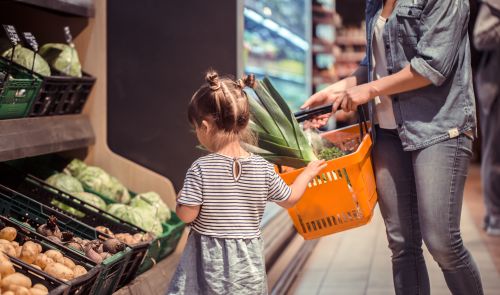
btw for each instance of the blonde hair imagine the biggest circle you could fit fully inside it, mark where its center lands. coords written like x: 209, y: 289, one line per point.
x: 222, y: 102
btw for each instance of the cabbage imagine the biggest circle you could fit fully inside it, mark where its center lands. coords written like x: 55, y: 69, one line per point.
x: 65, y: 183
x: 152, y: 201
x: 75, y: 167
x: 63, y: 58
x: 67, y: 208
x: 24, y: 57
x: 101, y: 182
x: 92, y: 199
x: 137, y: 216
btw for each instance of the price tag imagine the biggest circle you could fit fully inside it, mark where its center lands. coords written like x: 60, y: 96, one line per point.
x: 31, y: 40
x: 67, y: 34
x: 12, y: 34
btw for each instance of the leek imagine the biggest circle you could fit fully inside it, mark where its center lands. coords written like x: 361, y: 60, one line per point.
x: 280, y: 137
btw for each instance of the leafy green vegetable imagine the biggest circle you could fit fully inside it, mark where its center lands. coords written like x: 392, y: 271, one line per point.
x: 331, y: 153
x: 24, y: 57
x: 101, y: 182
x: 75, y: 167
x: 280, y: 137
x: 137, y: 216
x: 63, y: 58
x: 91, y: 199
x: 152, y: 201
x: 65, y: 182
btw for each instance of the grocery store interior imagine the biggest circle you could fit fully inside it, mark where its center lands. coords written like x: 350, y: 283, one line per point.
x: 94, y: 136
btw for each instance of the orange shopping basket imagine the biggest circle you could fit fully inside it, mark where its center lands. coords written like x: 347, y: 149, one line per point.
x: 344, y: 195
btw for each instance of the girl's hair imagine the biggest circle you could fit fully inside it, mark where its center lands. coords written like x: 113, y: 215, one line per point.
x: 222, y: 102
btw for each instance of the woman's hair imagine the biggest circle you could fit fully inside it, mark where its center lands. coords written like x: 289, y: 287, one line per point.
x: 223, y: 103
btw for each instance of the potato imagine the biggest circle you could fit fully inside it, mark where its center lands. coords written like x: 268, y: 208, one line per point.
x: 59, y: 271
x: 3, y: 241
x: 16, y: 279
x: 42, y: 260
x: 28, y: 254
x: 8, y: 233
x: 37, y: 248
x: 6, y: 268
x: 35, y: 291
x: 41, y: 287
x: 9, y: 293
x: 36, y: 266
x: 19, y: 290
x: 79, y: 271
x: 55, y: 255
x: 3, y: 257
x: 8, y: 249
x: 69, y: 263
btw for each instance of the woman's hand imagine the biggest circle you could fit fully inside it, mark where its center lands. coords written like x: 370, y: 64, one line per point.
x: 356, y: 96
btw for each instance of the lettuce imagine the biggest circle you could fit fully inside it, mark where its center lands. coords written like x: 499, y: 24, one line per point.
x: 24, y: 57
x: 152, y: 201
x: 65, y: 183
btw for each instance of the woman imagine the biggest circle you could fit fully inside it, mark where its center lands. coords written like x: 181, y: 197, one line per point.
x: 416, y: 79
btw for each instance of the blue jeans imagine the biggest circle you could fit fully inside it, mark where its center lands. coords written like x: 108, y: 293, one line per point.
x: 420, y: 197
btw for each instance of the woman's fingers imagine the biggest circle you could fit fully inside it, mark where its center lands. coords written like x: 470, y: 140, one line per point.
x: 316, y: 99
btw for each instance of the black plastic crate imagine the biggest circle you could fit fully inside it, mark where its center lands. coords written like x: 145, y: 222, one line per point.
x: 53, y: 98
x: 82, y: 285
x: 45, y: 194
x: 55, y: 286
x: 79, y: 94
x: 22, y: 208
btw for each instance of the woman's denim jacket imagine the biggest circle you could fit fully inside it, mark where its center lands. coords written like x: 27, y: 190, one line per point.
x: 432, y: 36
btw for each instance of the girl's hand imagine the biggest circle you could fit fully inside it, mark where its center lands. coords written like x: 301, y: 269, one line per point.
x: 314, y: 168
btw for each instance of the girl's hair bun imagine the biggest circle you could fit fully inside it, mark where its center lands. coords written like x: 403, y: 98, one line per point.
x: 246, y: 81
x: 212, y: 79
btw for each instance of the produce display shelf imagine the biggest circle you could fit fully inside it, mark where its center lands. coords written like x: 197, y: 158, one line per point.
x: 46, y: 194
x: 79, y: 8
x: 85, y: 284
x: 24, y: 209
x: 55, y: 287
x: 29, y: 137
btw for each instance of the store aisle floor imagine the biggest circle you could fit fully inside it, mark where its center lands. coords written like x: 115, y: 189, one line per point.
x: 358, y: 261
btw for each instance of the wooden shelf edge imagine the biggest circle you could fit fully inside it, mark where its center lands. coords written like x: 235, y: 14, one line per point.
x: 27, y: 137
x: 64, y: 6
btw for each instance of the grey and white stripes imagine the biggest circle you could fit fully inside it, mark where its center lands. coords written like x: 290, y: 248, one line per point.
x: 231, y: 208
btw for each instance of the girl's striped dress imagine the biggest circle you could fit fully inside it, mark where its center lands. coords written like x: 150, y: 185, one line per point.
x: 224, y: 251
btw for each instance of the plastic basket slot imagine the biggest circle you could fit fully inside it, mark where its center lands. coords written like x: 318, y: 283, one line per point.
x: 324, y: 222
x: 339, y: 219
x: 319, y: 224
x: 308, y: 226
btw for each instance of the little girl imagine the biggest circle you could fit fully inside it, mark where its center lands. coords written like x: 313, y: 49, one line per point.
x: 224, y: 196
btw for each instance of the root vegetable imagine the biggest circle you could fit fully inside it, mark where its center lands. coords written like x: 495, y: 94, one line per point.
x: 55, y: 255
x: 8, y: 233
x: 36, y: 266
x: 105, y: 255
x: 105, y: 230
x: 35, y: 291
x: 54, y: 239
x: 6, y: 268
x: 8, y: 249
x: 29, y: 252
x: 40, y: 287
x: 16, y: 279
x: 42, y: 260
x: 50, y: 228
x: 69, y: 263
x: 79, y: 271
x: 113, y: 246
x: 93, y: 255
x: 19, y: 290
x: 59, y: 271
x: 67, y: 236
x: 9, y: 293
x: 75, y: 246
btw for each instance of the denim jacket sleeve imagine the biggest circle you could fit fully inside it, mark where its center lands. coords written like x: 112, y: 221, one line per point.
x: 487, y: 27
x: 442, y: 30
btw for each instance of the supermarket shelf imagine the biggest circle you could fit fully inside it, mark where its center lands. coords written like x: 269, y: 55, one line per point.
x: 323, y: 20
x: 83, y: 8
x: 350, y: 57
x: 355, y: 41
x: 319, y: 9
x: 20, y: 138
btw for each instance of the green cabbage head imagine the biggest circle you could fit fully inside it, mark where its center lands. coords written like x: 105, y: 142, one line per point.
x: 63, y: 58
x: 65, y: 183
x: 24, y: 56
x: 152, y: 201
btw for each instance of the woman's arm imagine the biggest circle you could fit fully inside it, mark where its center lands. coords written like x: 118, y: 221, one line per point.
x: 405, y: 80
x: 328, y: 94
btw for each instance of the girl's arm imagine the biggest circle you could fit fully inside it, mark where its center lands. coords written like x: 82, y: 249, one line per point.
x: 300, y: 184
x: 187, y: 213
